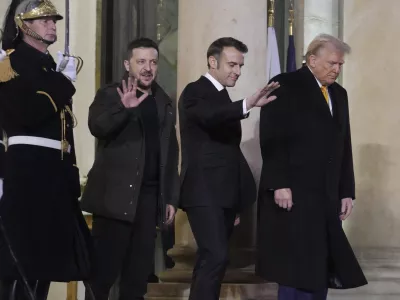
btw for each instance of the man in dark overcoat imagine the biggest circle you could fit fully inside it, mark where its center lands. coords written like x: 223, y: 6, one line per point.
x: 134, y: 179
x: 307, y: 181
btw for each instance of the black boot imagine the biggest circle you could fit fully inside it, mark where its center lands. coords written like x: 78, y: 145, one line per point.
x: 41, y: 289
x: 8, y: 290
x: 89, y: 295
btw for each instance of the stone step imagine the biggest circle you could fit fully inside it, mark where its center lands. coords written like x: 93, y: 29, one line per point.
x: 375, y: 290
x: 180, y: 291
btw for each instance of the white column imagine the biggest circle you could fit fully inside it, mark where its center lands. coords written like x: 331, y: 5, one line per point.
x: 82, y: 43
x: 320, y: 16
x: 3, y: 10
x: 370, y: 78
x: 200, y: 23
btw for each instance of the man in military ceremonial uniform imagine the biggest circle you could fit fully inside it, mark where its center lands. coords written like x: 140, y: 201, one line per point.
x: 43, y: 224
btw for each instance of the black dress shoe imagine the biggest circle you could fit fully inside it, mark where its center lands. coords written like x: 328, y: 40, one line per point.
x: 153, y: 279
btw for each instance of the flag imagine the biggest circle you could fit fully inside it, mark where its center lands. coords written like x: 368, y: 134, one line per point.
x: 273, y: 64
x: 291, y: 56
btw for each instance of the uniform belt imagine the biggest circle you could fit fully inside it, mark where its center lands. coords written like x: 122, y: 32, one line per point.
x: 35, y: 141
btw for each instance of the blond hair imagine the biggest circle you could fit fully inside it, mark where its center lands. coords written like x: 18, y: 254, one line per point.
x: 322, y: 40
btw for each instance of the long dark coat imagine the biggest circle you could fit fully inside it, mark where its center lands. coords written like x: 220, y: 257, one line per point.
x: 2, y: 154
x: 40, y: 209
x: 115, y: 179
x: 214, y: 171
x: 308, y: 150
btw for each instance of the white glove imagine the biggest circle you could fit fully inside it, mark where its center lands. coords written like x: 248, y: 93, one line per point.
x: 1, y: 187
x: 3, y: 55
x: 70, y: 69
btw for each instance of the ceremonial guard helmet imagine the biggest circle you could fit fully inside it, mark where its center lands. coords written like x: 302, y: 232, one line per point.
x: 20, y: 11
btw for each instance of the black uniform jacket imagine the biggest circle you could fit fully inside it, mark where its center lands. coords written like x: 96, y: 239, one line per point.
x: 40, y: 209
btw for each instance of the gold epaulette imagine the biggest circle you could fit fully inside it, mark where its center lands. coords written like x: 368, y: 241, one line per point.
x: 6, y: 71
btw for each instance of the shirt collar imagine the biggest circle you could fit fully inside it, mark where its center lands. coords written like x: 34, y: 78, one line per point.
x: 319, y: 83
x: 215, y: 82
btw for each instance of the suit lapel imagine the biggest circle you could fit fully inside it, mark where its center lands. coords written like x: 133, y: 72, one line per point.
x: 218, y: 98
x: 336, y: 108
x: 162, y: 102
x: 315, y: 93
x: 224, y: 96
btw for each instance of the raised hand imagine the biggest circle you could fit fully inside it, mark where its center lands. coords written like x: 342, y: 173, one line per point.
x: 261, y: 97
x: 128, y: 94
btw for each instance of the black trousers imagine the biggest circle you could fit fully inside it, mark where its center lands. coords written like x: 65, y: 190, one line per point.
x: 14, y: 290
x: 212, y: 228
x: 124, y: 250
x: 168, y: 242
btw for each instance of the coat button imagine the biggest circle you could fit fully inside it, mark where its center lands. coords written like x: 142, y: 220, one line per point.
x: 130, y: 185
x: 125, y: 214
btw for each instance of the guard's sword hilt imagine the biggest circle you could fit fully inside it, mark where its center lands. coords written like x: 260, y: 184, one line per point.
x: 64, y: 63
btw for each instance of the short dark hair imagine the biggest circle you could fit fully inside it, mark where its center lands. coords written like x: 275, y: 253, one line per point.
x: 141, y: 43
x: 218, y: 46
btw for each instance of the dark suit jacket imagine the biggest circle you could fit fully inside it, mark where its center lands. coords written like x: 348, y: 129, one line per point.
x: 308, y: 150
x: 214, y: 171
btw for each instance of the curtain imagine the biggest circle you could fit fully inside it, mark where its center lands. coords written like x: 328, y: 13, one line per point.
x: 122, y: 22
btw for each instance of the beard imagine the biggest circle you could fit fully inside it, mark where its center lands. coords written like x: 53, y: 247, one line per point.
x: 144, y: 86
x: 141, y: 84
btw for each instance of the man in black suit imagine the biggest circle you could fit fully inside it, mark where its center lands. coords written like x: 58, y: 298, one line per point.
x: 307, y: 180
x: 216, y: 180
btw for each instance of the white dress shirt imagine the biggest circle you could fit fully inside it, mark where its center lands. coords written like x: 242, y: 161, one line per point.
x: 220, y: 87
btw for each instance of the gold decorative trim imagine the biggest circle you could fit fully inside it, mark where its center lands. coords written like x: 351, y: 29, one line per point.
x: 9, y: 51
x: 291, y: 18
x: 44, y: 9
x: 6, y: 71
x: 48, y: 96
x: 271, y: 13
x: 72, y: 290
